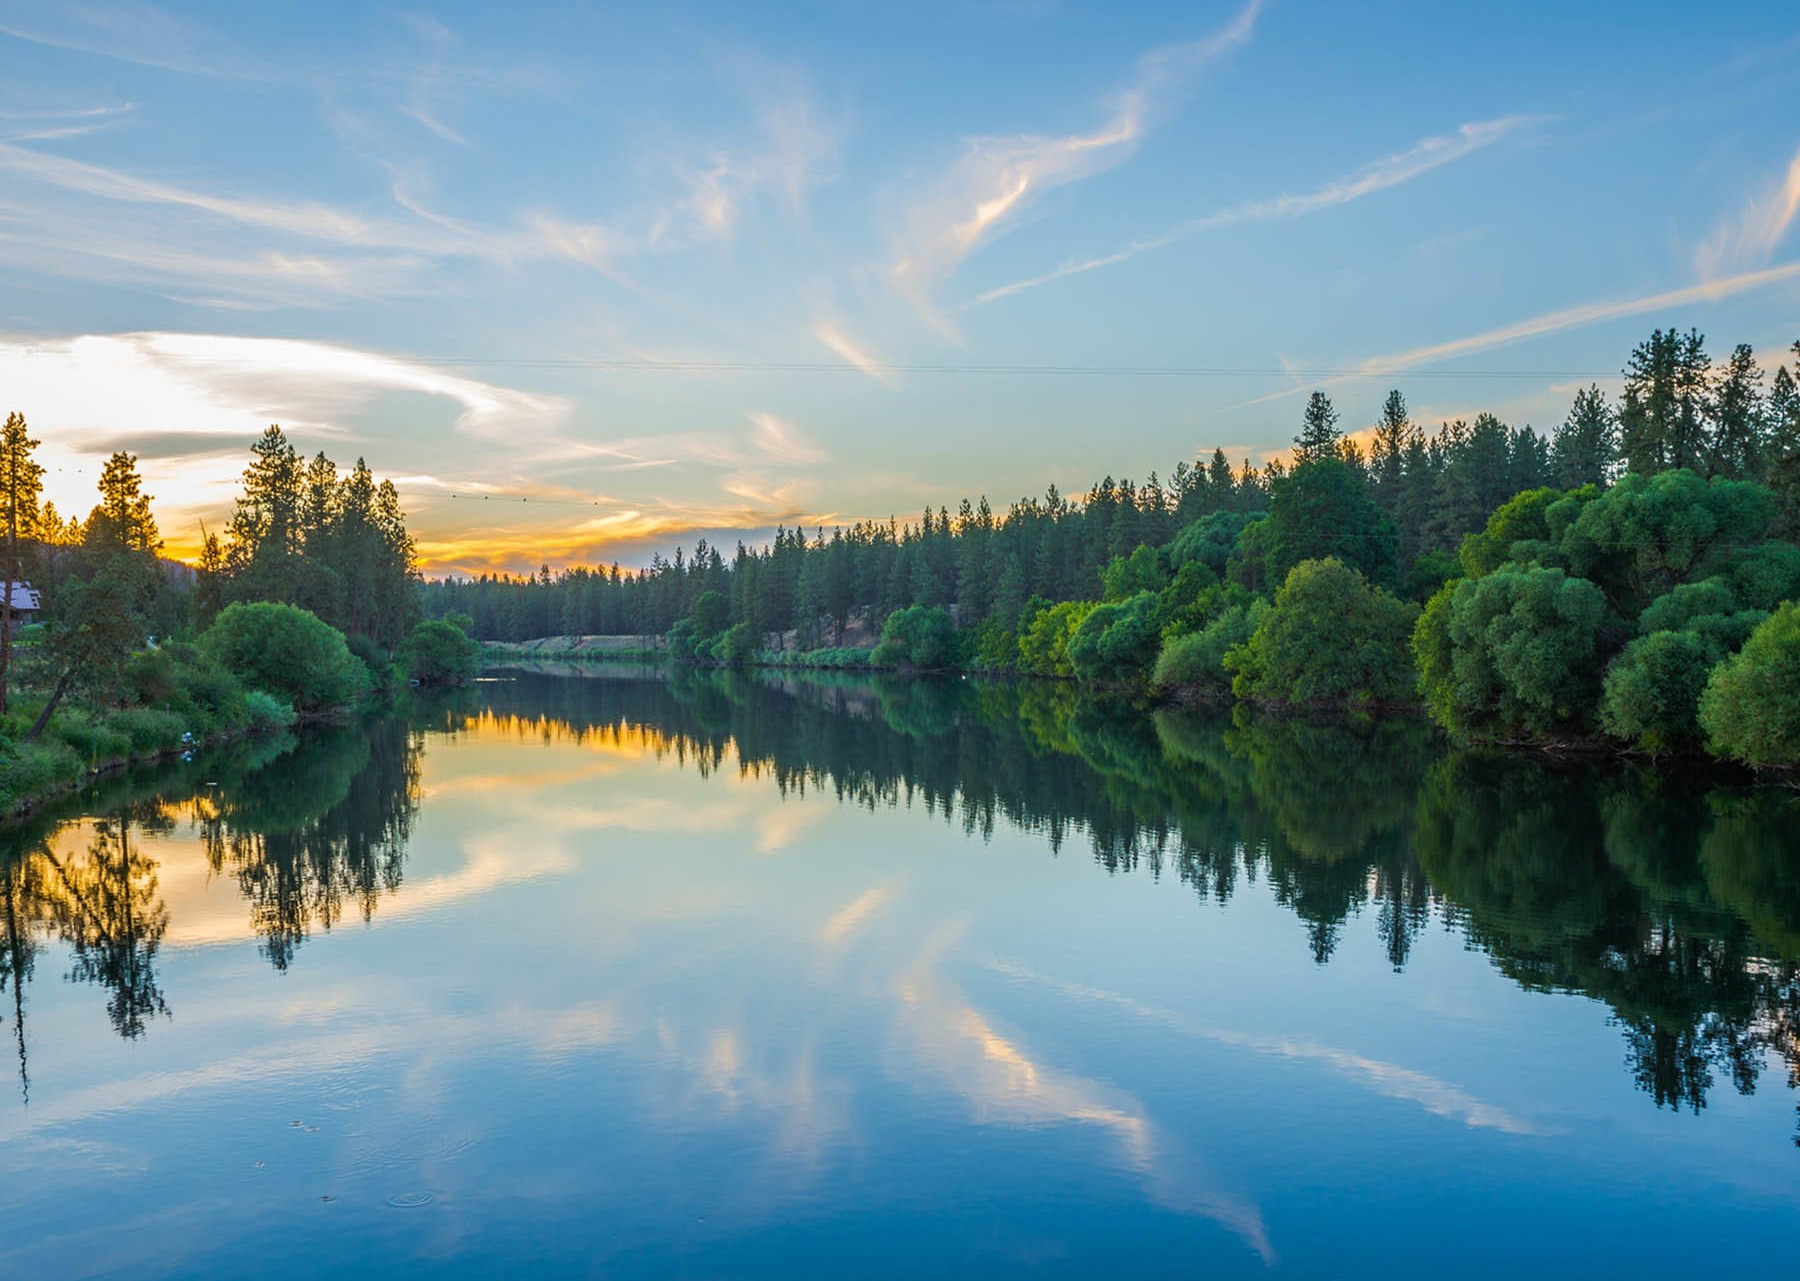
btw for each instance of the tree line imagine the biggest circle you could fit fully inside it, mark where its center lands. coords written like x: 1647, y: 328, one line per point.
x: 1628, y: 579
x: 1431, y: 489
x: 307, y: 603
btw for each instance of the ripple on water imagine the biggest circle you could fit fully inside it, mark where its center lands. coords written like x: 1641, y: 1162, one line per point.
x: 410, y: 1200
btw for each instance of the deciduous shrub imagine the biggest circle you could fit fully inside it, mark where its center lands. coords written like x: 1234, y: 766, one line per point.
x: 1329, y: 637
x: 1750, y: 709
x: 1515, y: 651
x: 288, y: 652
x: 267, y: 712
x: 737, y: 645
x: 1651, y: 697
x: 917, y: 636
x: 1044, y: 637
x: 436, y: 653
x: 1117, y: 642
x: 1197, y: 661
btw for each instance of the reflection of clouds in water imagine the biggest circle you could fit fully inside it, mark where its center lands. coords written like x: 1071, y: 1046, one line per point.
x: 1438, y: 1097
x: 203, y: 916
x: 777, y: 828
x: 842, y: 923
x: 1004, y: 1085
x: 702, y: 1065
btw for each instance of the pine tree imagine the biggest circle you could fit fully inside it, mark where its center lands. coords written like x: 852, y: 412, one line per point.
x: 264, y: 536
x: 1737, y: 414
x: 1783, y: 466
x: 1662, y: 416
x: 1387, y: 452
x: 21, y: 484
x: 1319, y: 435
x: 1220, y: 482
x: 1586, y: 444
x: 122, y: 522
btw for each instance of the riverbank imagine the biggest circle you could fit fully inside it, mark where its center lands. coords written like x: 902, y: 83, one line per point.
x: 39, y: 773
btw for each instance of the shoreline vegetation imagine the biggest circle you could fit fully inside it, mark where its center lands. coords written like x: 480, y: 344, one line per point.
x: 1630, y: 584
x: 1627, y: 584
x: 305, y: 611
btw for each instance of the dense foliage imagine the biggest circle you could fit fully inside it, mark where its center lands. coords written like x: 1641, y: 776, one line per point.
x: 1750, y: 708
x: 438, y: 652
x: 110, y: 676
x: 287, y: 651
x: 1328, y: 638
x: 1583, y: 585
x: 303, y: 535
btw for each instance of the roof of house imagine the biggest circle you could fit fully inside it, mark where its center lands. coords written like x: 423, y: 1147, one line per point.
x: 24, y: 597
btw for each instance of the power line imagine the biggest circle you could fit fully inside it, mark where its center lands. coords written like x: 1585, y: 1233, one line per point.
x: 608, y: 364
x: 643, y: 365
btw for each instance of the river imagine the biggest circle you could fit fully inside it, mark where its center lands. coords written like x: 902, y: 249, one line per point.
x: 605, y: 973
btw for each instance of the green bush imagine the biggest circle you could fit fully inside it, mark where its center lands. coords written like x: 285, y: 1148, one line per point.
x: 1649, y: 534
x: 1197, y: 661
x: 148, y: 729
x: 738, y: 645
x: 92, y: 740
x: 288, y: 652
x: 1044, y: 637
x: 827, y: 657
x: 29, y: 771
x: 922, y: 636
x: 996, y: 647
x: 1750, y: 709
x: 1117, y: 641
x: 1329, y: 637
x: 436, y: 653
x: 375, y: 660
x: 1212, y: 540
x: 266, y: 712
x: 1518, y: 531
x: 1766, y: 575
x: 1675, y: 609
x: 1518, y: 650
x: 1145, y: 570
x: 1651, y: 697
x: 683, y: 643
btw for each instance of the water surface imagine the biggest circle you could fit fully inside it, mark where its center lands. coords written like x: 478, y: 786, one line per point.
x: 598, y: 974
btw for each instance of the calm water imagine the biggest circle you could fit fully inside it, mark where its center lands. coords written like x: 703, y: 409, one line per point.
x: 601, y: 975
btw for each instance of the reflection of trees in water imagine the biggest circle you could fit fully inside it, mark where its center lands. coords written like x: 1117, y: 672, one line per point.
x: 306, y: 828
x: 105, y: 905
x: 1672, y: 899
x: 326, y: 829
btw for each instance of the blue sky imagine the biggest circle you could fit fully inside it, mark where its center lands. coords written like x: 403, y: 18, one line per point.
x: 706, y: 268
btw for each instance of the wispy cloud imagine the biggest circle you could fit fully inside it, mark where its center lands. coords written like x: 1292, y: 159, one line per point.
x: 999, y: 176
x: 307, y: 219
x: 791, y: 145
x: 320, y: 249
x: 128, y: 32
x: 853, y: 353
x: 1387, y: 172
x: 783, y: 442
x: 1751, y: 235
x: 1549, y: 322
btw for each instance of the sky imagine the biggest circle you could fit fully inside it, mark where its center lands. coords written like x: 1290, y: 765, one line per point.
x: 588, y: 281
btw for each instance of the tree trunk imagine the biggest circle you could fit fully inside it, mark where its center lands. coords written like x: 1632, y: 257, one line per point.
x: 56, y: 696
x: 6, y: 610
